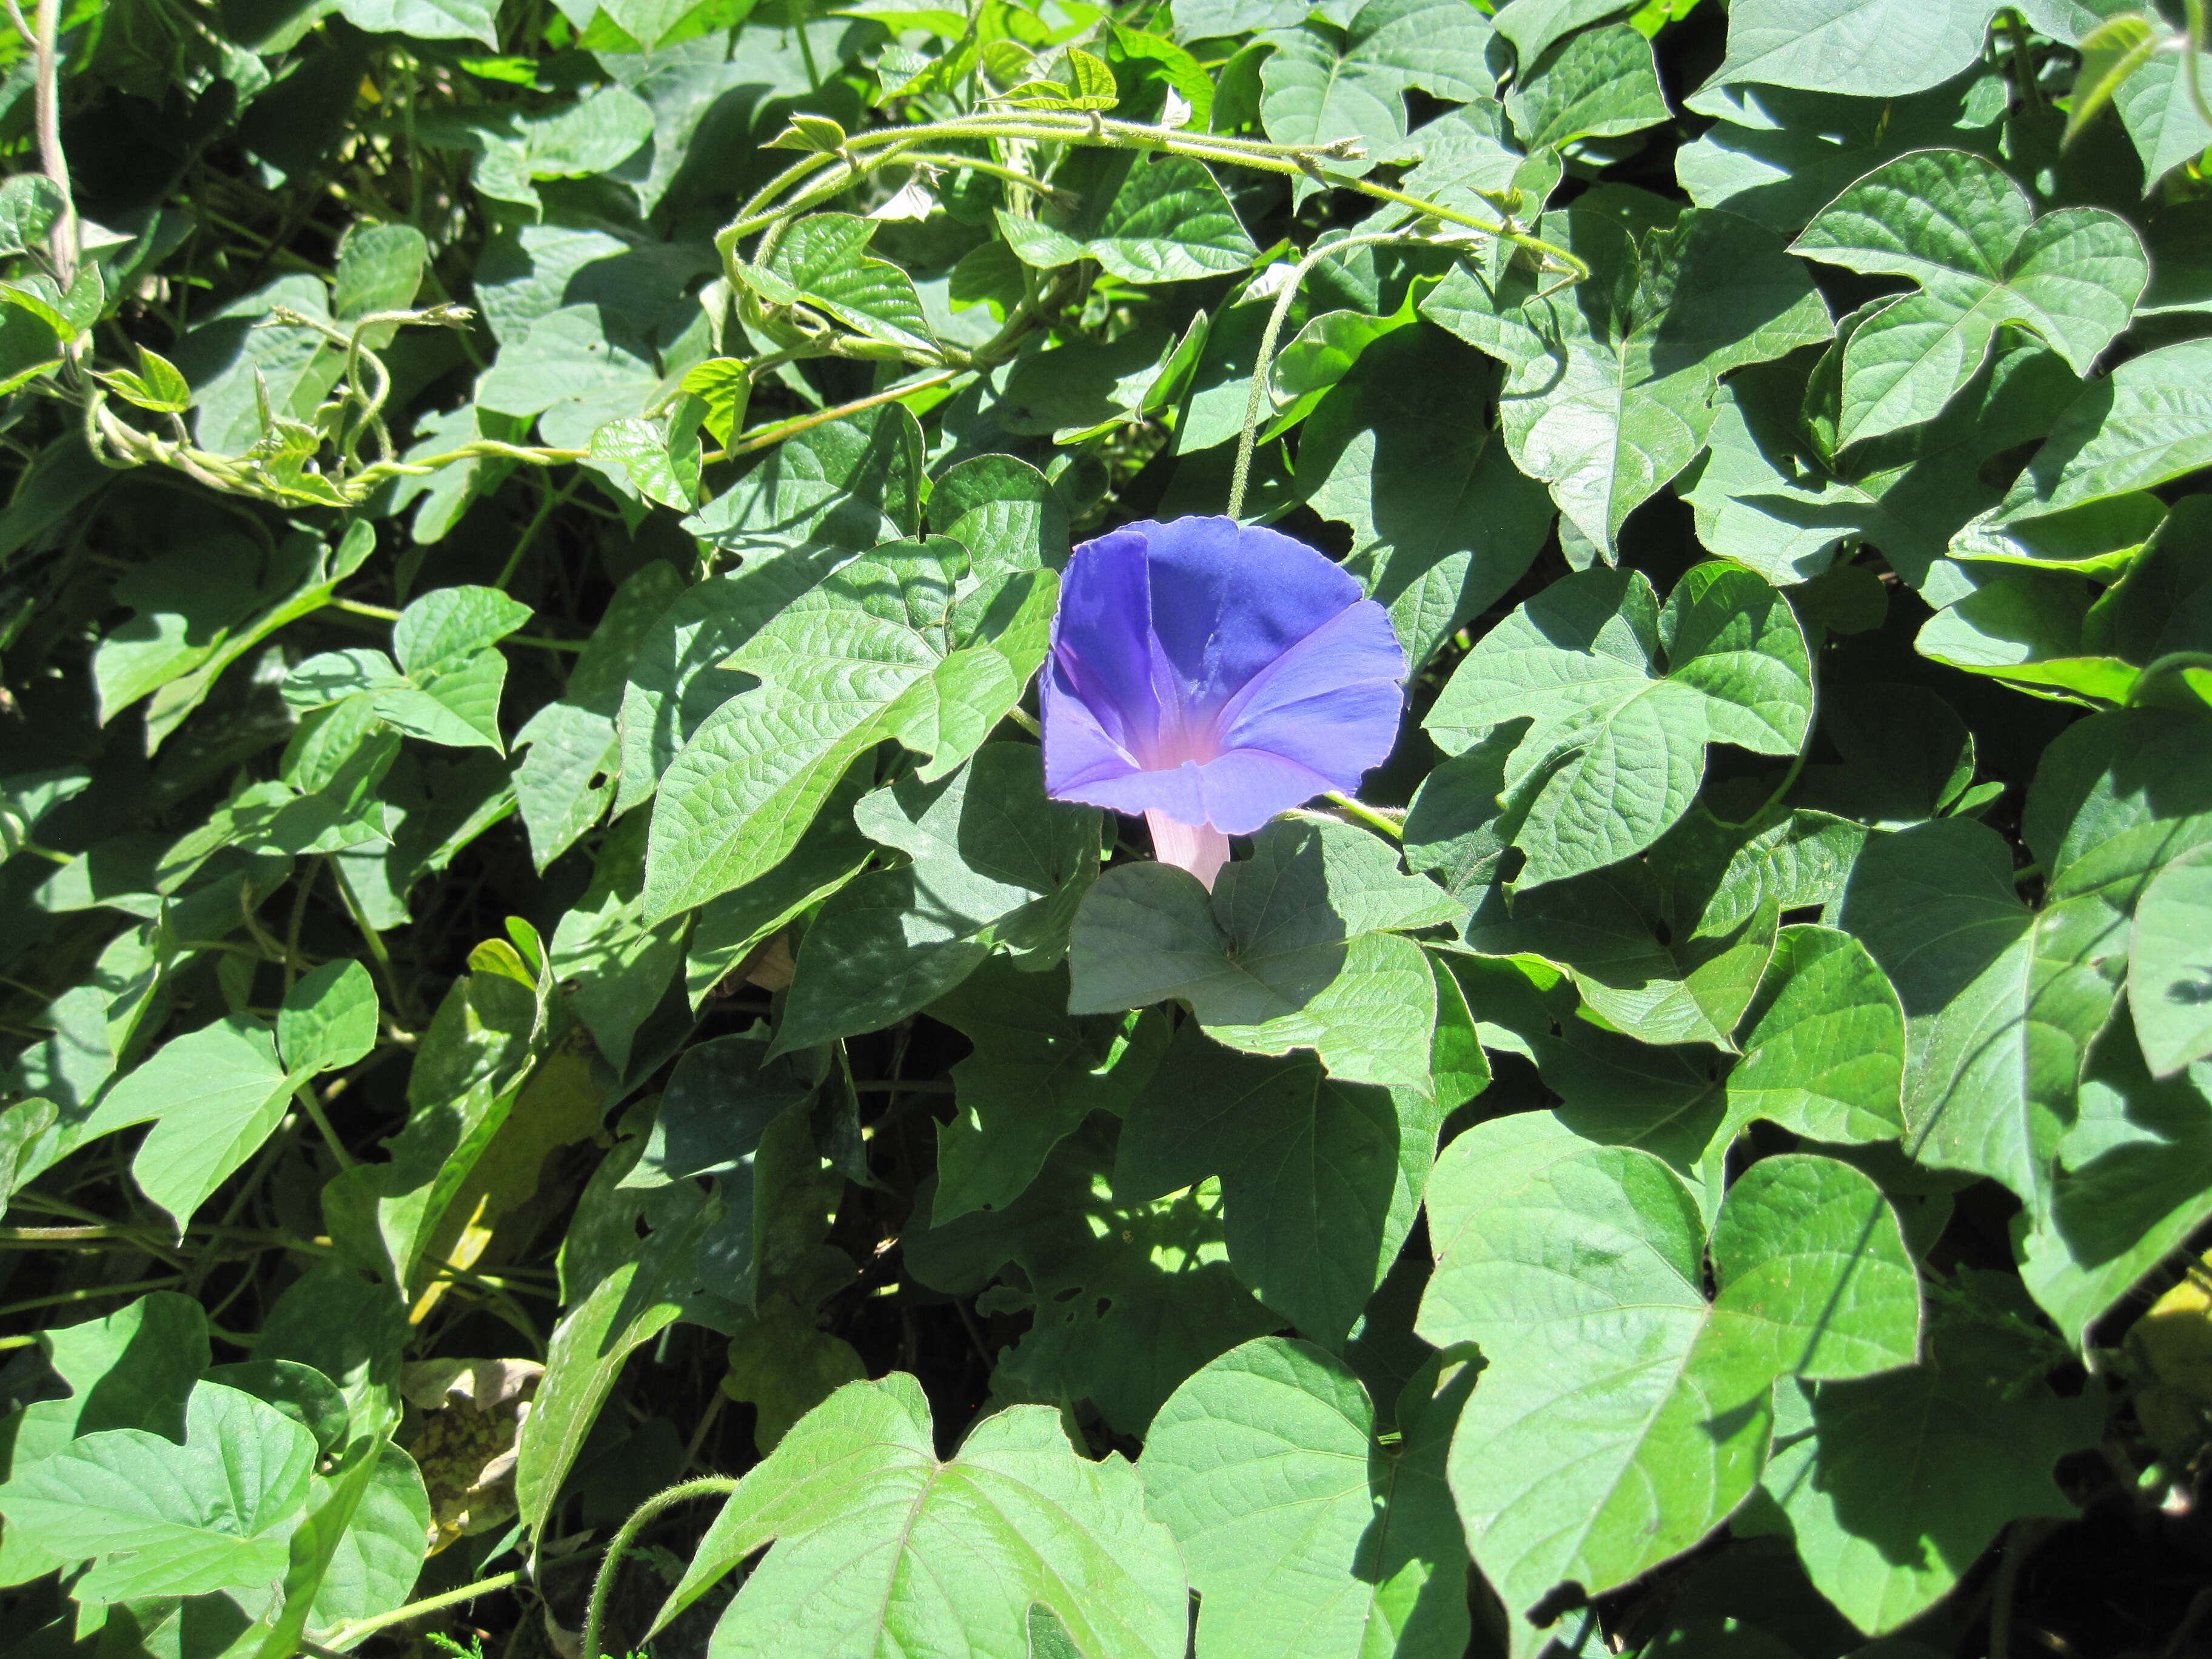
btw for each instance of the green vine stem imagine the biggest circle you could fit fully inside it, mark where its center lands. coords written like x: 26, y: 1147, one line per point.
x: 711, y: 1486
x: 766, y: 436
x: 1264, y: 362
x: 814, y: 178
x: 2192, y: 49
x: 2023, y: 59
x: 799, y: 187
x: 1360, y: 812
x: 348, y: 1636
x: 862, y: 153
x: 116, y: 443
x: 1780, y: 790
x: 45, y: 48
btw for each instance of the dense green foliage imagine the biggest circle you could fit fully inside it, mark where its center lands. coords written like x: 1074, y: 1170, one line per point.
x: 542, y: 986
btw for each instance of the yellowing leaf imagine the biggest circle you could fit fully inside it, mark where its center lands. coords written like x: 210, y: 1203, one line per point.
x: 465, y: 1444
x: 497, y: 1211
x: 2173, y: 1343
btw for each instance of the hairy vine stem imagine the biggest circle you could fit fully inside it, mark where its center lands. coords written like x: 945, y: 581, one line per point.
x: 46, y: 62
x: 346, y: 1636
x: 863, y: 153
x: 1264, y: 361
x: 1373, y: 817
x: 767, y: 436
x: 708, y: 1486
x: 290, y: 477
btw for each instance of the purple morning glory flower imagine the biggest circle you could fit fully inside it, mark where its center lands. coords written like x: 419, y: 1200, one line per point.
x: 1211, y: 676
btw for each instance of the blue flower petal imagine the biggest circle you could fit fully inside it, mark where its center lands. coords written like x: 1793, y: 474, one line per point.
x: 1102, y: 642
x: 1331, y: 701
x: 1228, y: 600
x: 1214, y: 675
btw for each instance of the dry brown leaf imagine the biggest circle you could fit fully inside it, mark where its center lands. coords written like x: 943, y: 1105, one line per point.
x: 471, y: 1412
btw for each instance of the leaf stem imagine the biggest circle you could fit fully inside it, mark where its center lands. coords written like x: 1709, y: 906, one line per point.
x: 551, y: 499
x: 91, y: 1292
x: 2021, y: 1540
x: 1774, y: 799
x: 2193, y: 48
x: 401, y: 1007
x: 2023, y: 62
x: 709, y: 1485
x: 347, y: 1635
x: 305, y: 1094
x: 300, y: 918
x: 797, y: 23
x: 1028, y: 181
x: 764, y: 436
x: 356, y: 608
x: 272, y: 949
